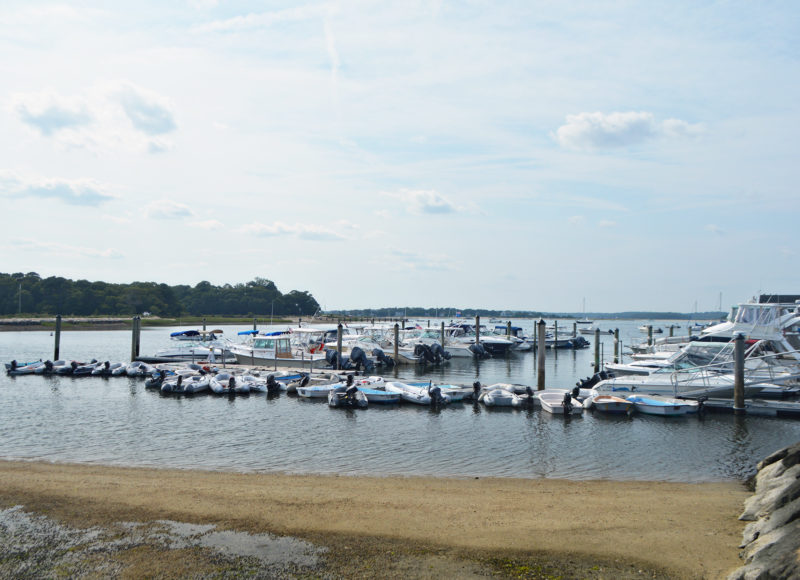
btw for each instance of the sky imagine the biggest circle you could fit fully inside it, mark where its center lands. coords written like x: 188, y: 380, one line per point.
x: 534, y: 155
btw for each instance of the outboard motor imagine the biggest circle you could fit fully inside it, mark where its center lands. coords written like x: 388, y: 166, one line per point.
x: 48, y: 366
x: 272, y: 384
x: 423, y: 351
x: 435, y: 395
x: 382, y: 358
x: 350, y: 391
x: 231, y: 384
x: 439, y: 352
x: 14, y: 365
x: 567, y: 403
x: 476, y: 390
x: 359, y: 358
x: 478, y: 350
x: 576, y: 392
x: 332, y: 357
x: 304, y: 380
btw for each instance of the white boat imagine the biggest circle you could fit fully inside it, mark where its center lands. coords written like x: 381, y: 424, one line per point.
x: 347, y: 397
x: 665, y: 406
x: 419, y: 395
x: 277, y: 349
x: 228, y: 384
x: 186, y: 385
x: 608, y: 403
x: 380, y: 396
x: 559, y: 402
x: 320, y: 391
x: 501, y: 398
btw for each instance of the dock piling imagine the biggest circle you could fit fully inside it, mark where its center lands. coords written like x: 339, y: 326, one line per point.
x: 738, y: 376
x: 540, y: 355
x: 58, y: 338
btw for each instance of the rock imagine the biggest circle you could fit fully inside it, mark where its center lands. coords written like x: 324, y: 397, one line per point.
x: 771, y: 544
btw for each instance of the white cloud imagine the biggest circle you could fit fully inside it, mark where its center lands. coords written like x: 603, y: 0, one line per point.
x: 49, y: 112
x: 167, y: 209
x: 208, y: 224
x: 102, y: 118
x: 148, y: 112
x: 70, y: 191
x: 607, y: 224
x: 406, y: 260
x: 260, y: 20
x: 302, y: 231
x: 576, y: 220
x: 608, y: 130
x: 714, y: 229
x: 421, y: 201
x: 56, y: 249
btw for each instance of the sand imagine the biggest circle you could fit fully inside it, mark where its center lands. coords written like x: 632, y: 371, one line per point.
x: 415, y: 526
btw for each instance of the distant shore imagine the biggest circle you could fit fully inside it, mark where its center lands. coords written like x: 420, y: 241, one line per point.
x: 445, y: 525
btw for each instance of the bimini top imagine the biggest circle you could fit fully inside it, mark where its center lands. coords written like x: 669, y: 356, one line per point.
x: 186, y: 333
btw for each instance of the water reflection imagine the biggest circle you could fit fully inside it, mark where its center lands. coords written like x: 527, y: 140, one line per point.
x: 116, y: 420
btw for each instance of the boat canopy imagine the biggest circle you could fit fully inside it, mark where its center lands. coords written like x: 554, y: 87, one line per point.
x: 186, y: 333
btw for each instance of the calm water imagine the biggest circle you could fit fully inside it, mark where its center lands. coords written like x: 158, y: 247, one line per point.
x: 117, y: 421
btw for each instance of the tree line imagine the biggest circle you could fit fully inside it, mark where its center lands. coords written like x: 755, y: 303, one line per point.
x: 28, y: 294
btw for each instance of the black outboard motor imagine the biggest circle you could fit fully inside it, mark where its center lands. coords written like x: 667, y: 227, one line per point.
x: 73, y: 365
x: 331, y: 356
x: 272, y: 384
x: 231, y: 385
x: 476, y: 390
x: 435, y: 394
x: 440, y: 353
x: 478, y: 350
x: 382, y: 358
x: 359, y: 358
x: 350, y: 391
x: 304, y: 380
x: 14, y: 365
x: 576, y: 391
x: 48, y: 366
x: 567, y: 403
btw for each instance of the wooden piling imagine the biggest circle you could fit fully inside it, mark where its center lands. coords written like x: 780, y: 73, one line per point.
x: 574, y: 329
x: 339, y: 346
x: 540, y: 355
x: 738, y: 376
x: 255, y: 324
x: 58, y: 338
x: 649, y: 335
x: 508, y: 329
x: 616, y: 345
x: 397, y: 340
x: 135, y: 338
x: 597, y: 350
x: 671, y: 330
x: 204, y: 324
x: 442, y: 331
x: 477, y: 329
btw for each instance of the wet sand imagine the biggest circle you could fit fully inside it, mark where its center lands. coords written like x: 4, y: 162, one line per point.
x: 430, y: 526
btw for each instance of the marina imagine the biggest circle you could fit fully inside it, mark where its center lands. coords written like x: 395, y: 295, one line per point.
x: 118, y: 421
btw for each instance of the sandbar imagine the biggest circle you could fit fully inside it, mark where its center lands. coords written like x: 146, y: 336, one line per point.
x: 681, y: 530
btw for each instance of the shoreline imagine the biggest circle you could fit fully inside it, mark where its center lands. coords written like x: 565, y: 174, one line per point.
x: 689, y: 530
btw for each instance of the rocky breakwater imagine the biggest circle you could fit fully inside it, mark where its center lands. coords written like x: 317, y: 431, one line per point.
x: 772, y: 541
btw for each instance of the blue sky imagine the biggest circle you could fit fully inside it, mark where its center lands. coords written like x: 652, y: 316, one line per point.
x: 519, y: 155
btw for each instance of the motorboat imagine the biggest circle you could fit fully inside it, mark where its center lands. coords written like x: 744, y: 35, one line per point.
x: 665, y: 406
x: 559, y: 402
x: 186, y: 385
x: 17, y: 369
x: 347, y: 396
x: 503, y: 398
x: 196, y: 335
x: 228, y: 384
x: 608, y: 404
x: 430, y: 395
x: 381, y: 396
x: 273, y: 349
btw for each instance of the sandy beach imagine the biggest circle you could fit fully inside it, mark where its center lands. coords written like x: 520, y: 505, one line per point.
x: 429, y: 526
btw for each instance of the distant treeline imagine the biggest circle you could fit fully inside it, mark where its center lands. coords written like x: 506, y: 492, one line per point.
x: 31, y: 294
x: 419, y: 312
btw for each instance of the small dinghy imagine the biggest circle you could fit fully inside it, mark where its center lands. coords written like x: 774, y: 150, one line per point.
x: 609, y: 404
x: 347, y: 396
x: 559, y: 402
x: 500, y: 398
x: 664, y: 406
x: 15, y: 369
x: 227, y: 384
x: 430, y: 395
x: 182, y: 385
